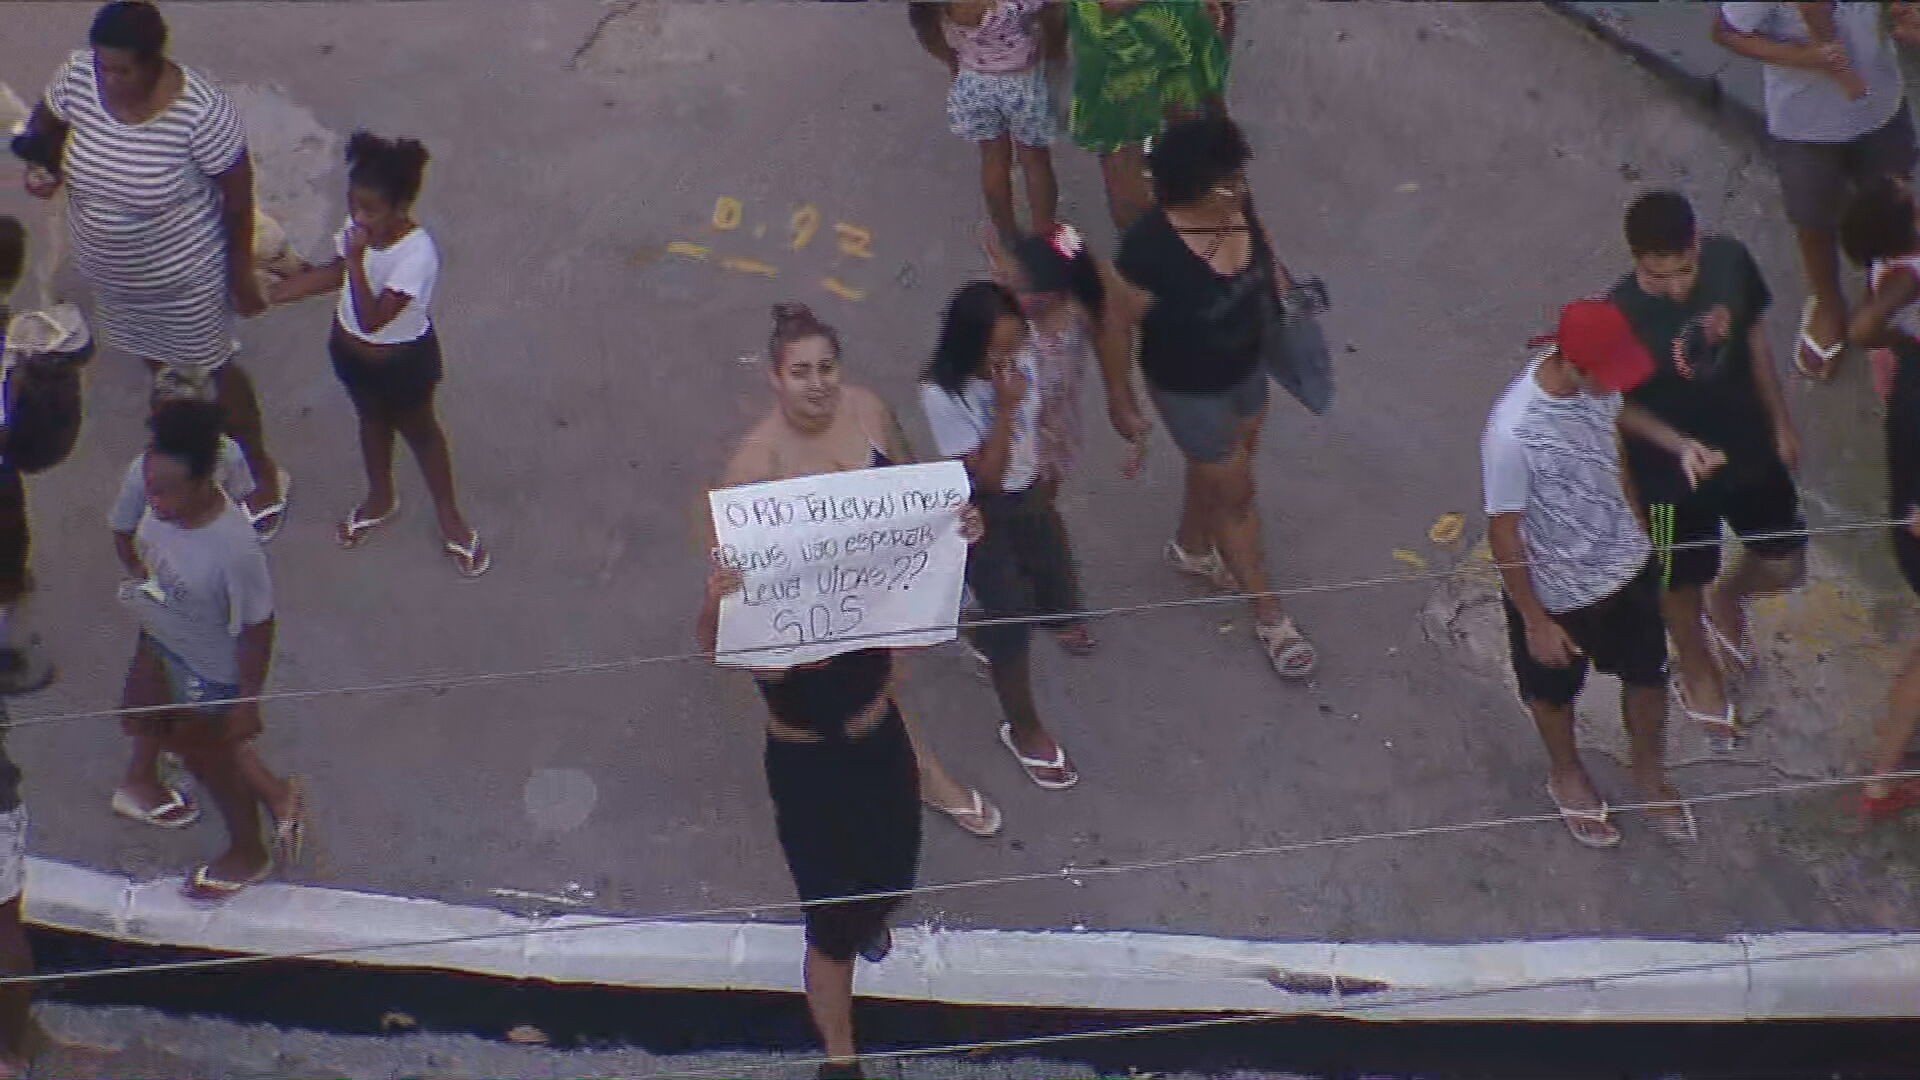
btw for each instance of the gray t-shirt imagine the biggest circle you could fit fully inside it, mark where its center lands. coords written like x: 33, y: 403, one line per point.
x: 1555, y: 461
x: 1809, y: 106
x: 960, y: 423
x: 230, y: 472
x: 206, y: 585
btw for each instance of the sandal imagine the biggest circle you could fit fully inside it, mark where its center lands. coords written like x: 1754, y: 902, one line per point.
x: 1724, y: 733
x: 353, y: 531
x: 1820, y: 366
x: 1077, y: 640
x: 174, y: 812
x: 472, y: 560
x: 277, y: 510
x: 290, y: 832
x: 1210, y: 567
x: 1904, y: 795
x: 202, y: 885
x: 1744, y: 653
x: 1683, y: 830
x: 1032, y: 766
x: 1589, y: 828
x: 1291, y: 654
x: 979, y: 818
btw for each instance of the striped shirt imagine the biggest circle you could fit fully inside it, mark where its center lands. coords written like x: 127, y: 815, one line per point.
x: 145, y: 214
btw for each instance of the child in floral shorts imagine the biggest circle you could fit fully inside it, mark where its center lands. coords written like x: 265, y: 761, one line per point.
x: 1000, y: 98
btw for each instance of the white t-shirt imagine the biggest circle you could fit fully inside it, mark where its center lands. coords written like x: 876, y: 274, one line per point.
x: 960, y: 423
x: 1555, y: 461
x: 1907, y: 319
x: 1809, y: 106
x: 230, y: 472
x: 410, y: 266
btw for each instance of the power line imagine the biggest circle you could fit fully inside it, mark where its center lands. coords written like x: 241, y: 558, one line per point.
x: 1115, y: 611
x: 1414, y: 833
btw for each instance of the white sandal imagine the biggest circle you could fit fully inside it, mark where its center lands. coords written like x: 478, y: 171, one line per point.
x: 1291, y: 654
x: 1032, y: 766
x: 979, y: 818
x: 1210, y: 567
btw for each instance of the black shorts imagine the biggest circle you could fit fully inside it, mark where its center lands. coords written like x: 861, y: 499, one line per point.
x: 400, y: 381
x: 1815, y: 177
x: 1622, y: 635
x: 1756, y: 504
x: 1022, y: 565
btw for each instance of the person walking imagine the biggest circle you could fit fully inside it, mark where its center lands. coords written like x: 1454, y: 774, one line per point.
x: 160, y: 209
x: 1837, y: 113
x: 1698, y: 305
x: 198, y: 584
x: 1197, y: 276
x: 24, y: 668
x: 1580, y: 587
x: 845, y: 771
x: 383, y: 346
x: 980, y: 393
x: 1000, y: 99
x: 1879, y: 232
x: 1136, y: 65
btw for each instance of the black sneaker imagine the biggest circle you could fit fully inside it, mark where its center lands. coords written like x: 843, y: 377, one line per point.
x: 24, y: 668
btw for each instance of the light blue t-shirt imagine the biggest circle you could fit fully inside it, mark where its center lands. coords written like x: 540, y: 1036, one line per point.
x: 1810, y: 106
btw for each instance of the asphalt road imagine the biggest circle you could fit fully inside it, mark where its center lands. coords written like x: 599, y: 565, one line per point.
x: 1454, y: 171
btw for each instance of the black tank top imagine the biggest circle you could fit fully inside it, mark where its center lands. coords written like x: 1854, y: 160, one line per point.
x: 1202, y: 333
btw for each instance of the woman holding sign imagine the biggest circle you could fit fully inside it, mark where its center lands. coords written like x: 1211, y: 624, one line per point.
x: 845, y: 775
x: 982, y: 398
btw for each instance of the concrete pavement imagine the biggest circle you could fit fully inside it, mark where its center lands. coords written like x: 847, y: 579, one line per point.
x: 595, y: 383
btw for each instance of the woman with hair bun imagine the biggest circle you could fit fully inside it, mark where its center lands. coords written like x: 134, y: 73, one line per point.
x: 844, y: 770
x: 383, y: 346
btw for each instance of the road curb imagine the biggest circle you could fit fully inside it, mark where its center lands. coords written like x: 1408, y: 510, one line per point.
x: 1705, y: 90
x: 1760, y: 977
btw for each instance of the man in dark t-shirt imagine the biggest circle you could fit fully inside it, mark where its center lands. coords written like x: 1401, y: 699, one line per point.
x: 1698, y: 303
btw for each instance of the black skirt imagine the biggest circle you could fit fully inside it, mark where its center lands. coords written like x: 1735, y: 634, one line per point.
x: 846, y: 807
x: 401, y: 380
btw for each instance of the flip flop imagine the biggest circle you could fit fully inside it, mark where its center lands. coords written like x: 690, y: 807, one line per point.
x: 1574, y: 818
x: 471, y: 560
x: 1724, y: 733
x: 1078, y: 641
x: 1032, y: 766
x: 277, y: 510
x: 290, y: 834
x: 980, y: 818
x: 1904, y: 795
x: 174, y: 813
x: 1288, y: 650
x: 1820, y: 368
x: 1744, y: 655
x: 1684, y: 831
x: 202, y: 885
x: 353, y: 531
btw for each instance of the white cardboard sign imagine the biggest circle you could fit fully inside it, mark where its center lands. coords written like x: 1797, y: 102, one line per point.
x: 831, y: 561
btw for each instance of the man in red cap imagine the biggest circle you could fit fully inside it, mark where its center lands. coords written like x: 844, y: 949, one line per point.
x: 1581, y: 587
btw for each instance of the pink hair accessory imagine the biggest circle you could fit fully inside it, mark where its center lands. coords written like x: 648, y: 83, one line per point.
x: 1066, y: 240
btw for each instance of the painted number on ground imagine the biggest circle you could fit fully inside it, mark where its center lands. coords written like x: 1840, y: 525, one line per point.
x: 804, y: 224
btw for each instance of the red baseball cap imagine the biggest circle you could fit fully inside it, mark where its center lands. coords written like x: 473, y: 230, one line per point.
x: 1595, y: 338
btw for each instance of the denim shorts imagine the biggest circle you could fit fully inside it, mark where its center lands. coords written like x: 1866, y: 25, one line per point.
x: 184, y: 686
x: 1206, y: 426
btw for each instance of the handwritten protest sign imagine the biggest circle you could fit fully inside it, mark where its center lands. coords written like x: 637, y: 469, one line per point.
x: 830, y: 561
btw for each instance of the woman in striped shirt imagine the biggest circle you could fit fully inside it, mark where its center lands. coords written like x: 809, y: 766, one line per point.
x: 160, y: 207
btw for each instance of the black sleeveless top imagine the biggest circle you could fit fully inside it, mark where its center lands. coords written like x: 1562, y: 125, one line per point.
x: 1202, y: 333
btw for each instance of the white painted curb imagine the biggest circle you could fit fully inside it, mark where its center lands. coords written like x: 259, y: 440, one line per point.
x: 1855, y: 976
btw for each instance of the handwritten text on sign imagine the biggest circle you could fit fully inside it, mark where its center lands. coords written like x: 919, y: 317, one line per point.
x: 830, y: 561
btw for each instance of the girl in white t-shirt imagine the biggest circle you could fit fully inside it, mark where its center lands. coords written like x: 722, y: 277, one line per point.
x: 383, y: 346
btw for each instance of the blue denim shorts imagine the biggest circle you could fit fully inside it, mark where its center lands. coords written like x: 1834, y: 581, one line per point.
x: 183, y: 685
